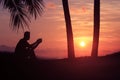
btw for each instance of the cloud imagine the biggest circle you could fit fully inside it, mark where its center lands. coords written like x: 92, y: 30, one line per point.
x: 6, y: 48
x: 51, y: 5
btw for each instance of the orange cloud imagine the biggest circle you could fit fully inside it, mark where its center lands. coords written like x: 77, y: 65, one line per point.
x: 51, y: 5
x: 84, y: 9
x: 75, y: 11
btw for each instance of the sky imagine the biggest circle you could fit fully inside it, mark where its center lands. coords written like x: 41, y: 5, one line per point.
x: 51, y: 28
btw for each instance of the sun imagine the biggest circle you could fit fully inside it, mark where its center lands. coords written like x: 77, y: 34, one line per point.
x: 82, y: 44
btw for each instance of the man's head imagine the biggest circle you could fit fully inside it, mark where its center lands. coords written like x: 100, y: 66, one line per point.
x: 27, y: 35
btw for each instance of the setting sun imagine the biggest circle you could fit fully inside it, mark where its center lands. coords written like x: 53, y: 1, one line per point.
x: 82, y: 44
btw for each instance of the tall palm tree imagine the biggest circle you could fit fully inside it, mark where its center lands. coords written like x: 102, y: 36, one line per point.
x: 22, y: 10
x: 96, y: 28
x: 70, y: 42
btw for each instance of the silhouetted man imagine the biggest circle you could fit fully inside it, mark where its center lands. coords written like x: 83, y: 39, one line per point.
x: 24, y: 50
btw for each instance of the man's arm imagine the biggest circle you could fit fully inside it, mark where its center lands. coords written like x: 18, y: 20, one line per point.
x: 35, y: 44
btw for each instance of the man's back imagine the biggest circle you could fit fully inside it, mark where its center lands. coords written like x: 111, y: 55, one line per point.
x: 21, y: 49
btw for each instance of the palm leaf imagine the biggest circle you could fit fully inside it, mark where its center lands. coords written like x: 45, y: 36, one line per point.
x: 35, y: 7
x: 21, y: 10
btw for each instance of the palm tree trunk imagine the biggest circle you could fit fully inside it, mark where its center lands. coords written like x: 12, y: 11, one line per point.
x: 96, y: 28
x: 70, y: 42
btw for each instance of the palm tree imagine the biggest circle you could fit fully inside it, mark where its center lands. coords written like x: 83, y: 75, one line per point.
x: 22, y: 10
x: 96, y: 28
x: 70, y: 42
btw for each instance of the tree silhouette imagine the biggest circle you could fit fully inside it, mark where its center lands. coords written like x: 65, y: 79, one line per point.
x: 96, y: 28
x: 22, y: 10
x: 70, y: 42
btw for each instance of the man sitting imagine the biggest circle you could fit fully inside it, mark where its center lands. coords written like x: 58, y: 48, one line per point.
x: 24, y: 50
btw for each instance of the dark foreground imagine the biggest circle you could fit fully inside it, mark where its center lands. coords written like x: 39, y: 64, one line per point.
x: 87, y: 68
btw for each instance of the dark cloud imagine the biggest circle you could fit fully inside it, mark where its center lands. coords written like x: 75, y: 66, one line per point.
x: 6, y: 48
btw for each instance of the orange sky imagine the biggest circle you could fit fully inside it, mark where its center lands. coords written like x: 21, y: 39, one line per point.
x: 51, y: 27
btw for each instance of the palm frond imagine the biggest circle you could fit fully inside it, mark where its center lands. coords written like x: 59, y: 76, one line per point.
x: 19, y: 19
x: 35, y: 7
x: 21, y: 10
